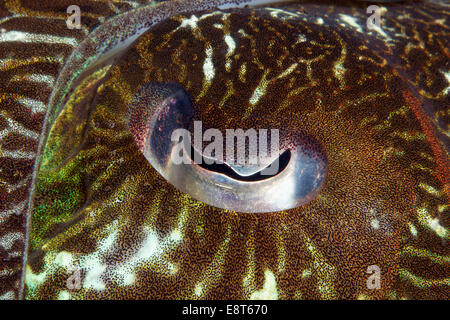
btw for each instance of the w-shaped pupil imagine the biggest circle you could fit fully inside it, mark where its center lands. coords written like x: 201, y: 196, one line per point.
x: 225, y: 169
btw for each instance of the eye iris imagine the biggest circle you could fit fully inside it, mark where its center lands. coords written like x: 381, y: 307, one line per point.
x: 291, y: 178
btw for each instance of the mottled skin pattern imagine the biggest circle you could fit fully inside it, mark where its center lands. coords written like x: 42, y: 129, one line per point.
x: 377, y: 102
x: 28, y: 70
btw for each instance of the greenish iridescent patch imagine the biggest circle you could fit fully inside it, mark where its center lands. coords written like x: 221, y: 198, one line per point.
x: 59, y: 183
x: 59, y: 195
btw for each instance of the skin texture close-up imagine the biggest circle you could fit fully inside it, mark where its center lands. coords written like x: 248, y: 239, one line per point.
x: 94, y: 206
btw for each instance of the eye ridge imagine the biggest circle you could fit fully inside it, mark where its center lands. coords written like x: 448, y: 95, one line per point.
x: 225, y: 169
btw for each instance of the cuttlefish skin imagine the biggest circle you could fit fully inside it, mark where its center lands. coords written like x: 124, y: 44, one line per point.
x: 376, y: 100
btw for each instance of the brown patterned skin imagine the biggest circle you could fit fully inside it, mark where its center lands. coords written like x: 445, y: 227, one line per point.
x: 20, y: 128
x: 360, y: 95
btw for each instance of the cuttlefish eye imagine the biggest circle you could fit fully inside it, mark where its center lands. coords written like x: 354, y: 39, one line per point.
x: 335, y: 184
x: 289, y: 177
